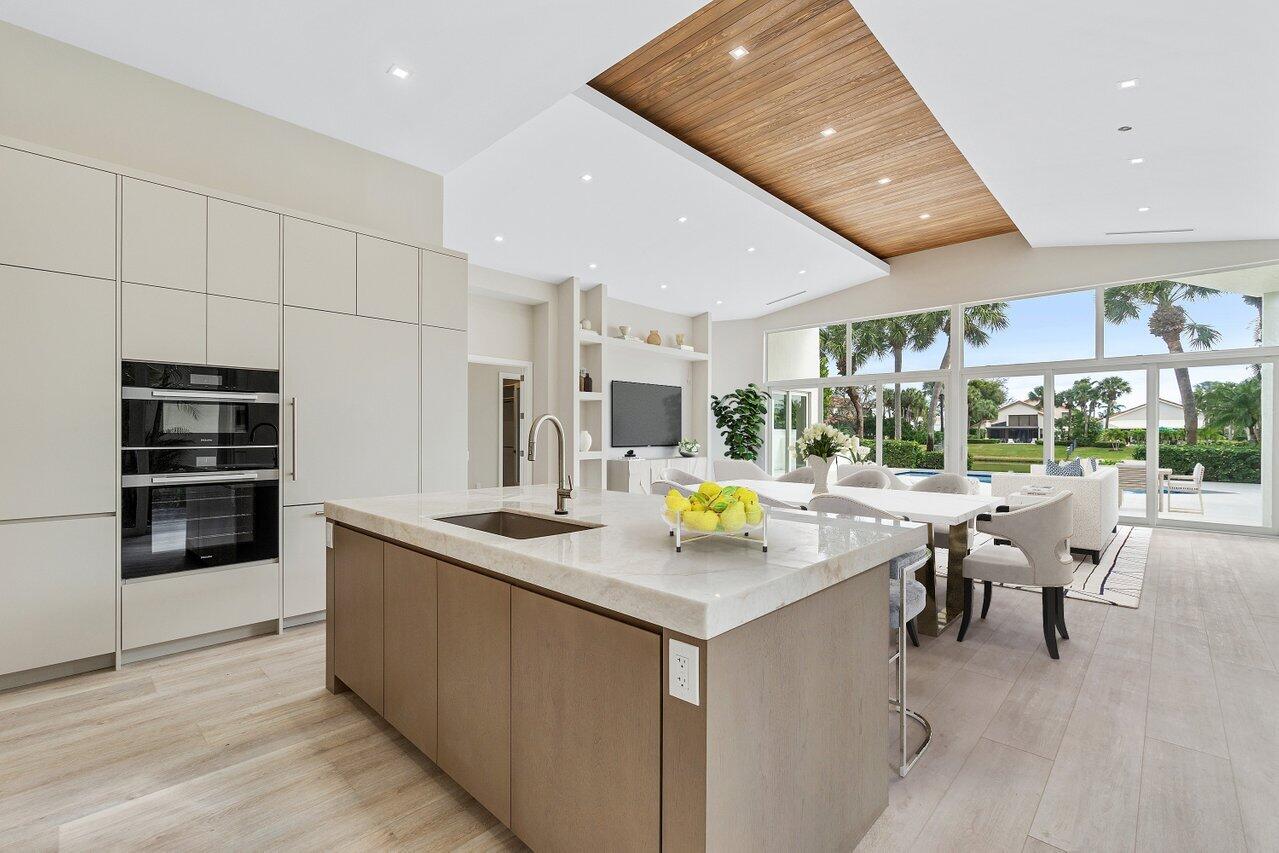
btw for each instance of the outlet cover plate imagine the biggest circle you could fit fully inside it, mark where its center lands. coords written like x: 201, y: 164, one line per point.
x: 684, y: 667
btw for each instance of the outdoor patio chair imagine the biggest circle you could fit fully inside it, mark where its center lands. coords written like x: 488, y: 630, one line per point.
x: 1186, y: 484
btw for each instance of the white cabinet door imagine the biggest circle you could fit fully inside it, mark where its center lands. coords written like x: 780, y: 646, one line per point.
x: 58, y: 436
x: 244, y: 251
x: 159, y: 324
x: 56, y: 215
x: 351, y: 394
x: 163, y: 236
x: 304, y: 575
x: 386, y: 280
x: 319, y: 266
x: 444, y: 281
x: 444, y: 390
x: 187, y: 604
x: 243, y: 333
x: 58, y: 577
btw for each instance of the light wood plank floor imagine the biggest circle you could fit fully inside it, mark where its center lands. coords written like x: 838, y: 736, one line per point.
x: 1157, y: 730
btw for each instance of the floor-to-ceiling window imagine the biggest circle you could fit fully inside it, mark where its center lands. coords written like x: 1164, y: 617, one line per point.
x: 1170, y: 380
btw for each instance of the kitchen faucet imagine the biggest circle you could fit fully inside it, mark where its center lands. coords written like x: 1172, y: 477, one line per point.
x: 565, y: 489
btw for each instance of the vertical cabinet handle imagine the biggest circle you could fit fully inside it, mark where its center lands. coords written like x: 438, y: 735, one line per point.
x: 293, y: 445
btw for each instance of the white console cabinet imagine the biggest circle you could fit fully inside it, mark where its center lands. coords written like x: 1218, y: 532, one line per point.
x: 637, y: 475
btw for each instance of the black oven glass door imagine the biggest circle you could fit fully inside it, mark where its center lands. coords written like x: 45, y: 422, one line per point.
x: 193, y: 421
x: 175, y: 523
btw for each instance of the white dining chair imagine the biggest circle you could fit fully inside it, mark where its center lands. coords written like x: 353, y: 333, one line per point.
x: 894, y: 482
x: 662, y: 487
x: 738, y: 469
x: 679, y: 475
x: 906, y: 600
x: 866, y: 478
x: 799, y: 475
x: 946, y: 484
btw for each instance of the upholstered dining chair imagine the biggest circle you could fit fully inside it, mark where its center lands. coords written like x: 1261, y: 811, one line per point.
x: 679, y: 475
x: 906, y: 598
x: 948, y: 484
x: 662, y: 487
x: 894, y: 482
x: 738, y: 469
x: 866, y: 478
x: 1039, y: 555
x: 799, y: 475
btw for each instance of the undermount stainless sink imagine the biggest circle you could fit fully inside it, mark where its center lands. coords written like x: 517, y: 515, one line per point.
x: 514, y: 525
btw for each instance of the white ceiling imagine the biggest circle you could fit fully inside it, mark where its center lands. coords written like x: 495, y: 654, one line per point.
x: 528, y: 188
x: 480, y: 68
x: 1028, y: 91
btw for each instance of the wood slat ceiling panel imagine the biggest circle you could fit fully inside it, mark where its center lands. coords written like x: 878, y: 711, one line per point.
x: 812, y: 64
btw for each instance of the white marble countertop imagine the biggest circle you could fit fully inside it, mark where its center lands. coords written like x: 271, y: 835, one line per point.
x: 629, y: 565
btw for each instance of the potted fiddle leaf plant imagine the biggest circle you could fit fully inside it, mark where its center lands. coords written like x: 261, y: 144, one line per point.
x: 739, y: 417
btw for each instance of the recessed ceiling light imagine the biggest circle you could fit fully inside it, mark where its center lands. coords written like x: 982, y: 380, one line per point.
x: 399, y: 73
x: 925, y: 216
x: 750, y: 249
x: 1137, y: 161
x: 682, y: 220
x: 719, y: 301
x: 1143, y: 210
x: 592, y: 266
x: 883, y: 181
x: 662, y: 286
x: 738, y: 52
x: 802, y: 272
x: 828, y: 131
x: 587, y: 178
x: 1124, y: 128
x: 1128, y: 84
x: 497, y: 238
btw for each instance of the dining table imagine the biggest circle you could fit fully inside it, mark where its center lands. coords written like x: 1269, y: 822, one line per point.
x: 937, y: 510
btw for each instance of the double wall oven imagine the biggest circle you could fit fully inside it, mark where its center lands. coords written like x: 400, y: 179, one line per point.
x: 200, y: 481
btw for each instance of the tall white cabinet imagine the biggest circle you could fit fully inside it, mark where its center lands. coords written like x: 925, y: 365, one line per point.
x: 369, y: 335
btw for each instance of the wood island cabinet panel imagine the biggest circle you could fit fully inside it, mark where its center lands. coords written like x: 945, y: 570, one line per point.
x: 356, y: 621
x: 164, y: 236
x: 244, y: 251
x: 586, y: 708
x: 56, y: 215
x: 474, y: 678
x: 409, y: 645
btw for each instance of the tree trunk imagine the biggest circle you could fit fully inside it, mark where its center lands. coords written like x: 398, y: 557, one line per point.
x: 1189, y: 411
x: 897, y: 396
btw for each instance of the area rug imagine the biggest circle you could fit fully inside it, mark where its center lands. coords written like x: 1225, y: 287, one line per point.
x: 1115, y: 580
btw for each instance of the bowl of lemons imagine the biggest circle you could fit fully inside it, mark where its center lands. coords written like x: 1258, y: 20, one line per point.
x: 713, y: 510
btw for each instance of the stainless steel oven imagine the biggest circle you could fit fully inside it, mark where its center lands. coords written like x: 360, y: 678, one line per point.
x: 200, y: 465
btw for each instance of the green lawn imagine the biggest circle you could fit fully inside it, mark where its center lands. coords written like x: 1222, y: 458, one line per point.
x: 1019, y: 457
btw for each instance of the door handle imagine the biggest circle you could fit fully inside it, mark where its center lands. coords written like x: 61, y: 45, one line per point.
x: 204, y: 395
x: 170, y: 479
x: 293, y: 444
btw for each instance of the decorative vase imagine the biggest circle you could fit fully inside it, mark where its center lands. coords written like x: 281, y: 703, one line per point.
x: 654, y: 338
x: 623, y: 331
x: 821, y: 474
x: 687, y: 454
x: 679, y: 339
x: 584, y: 441
x: 586, y: 324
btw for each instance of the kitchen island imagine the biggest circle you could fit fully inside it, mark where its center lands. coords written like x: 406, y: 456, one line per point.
x: 594, y: 689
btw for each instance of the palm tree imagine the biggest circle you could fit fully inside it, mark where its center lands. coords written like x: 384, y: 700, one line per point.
x: 979, y: 322
x: 1233, y: 406
x: 896, y: 335
x: 1170, y: 322
x: 1111, y: 389
x: 833, y: 349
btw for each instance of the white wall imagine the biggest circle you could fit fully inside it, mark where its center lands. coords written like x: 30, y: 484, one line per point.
x: 69, y: 99
x: 499, y: 328
x: 641, y: 367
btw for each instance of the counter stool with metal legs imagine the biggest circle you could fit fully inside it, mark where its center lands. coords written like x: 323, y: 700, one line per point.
x: 903, y: 589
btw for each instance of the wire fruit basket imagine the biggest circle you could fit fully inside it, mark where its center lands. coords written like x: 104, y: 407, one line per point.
x: 688, y: 526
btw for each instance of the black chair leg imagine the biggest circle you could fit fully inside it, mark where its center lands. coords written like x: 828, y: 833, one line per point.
x: 914, y: 635
x: 968, y: 609
x: 1049, y: 597
x: 986, y: 588
x: 1061, y: 613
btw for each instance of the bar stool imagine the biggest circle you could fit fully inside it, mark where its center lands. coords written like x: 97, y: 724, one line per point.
x: 906, y: 598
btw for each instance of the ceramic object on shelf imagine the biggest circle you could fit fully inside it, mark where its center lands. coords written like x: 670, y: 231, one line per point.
x: 586, y: 324
x: 679, y: 339
x: 584, y: 441
x: 654, y: 338
x: 624, y: 331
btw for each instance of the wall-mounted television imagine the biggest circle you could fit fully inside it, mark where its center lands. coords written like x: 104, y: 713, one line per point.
x: 646, y: 415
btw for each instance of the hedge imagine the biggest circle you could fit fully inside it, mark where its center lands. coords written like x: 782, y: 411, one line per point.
x: 1223, y: 462
x: 902, y: 454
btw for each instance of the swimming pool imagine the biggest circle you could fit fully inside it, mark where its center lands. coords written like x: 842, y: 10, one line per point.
x: 979, y: 476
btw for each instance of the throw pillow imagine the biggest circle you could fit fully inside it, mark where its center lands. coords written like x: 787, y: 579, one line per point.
x: 1072, y: 468
x: 1089, y: 464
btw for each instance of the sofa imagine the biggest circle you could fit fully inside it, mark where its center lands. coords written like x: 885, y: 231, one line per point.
x: 1096, y: 503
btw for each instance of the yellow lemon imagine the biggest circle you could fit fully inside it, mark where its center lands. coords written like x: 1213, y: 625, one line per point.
x: 676, y: 502
x: 754, y: 514
x: 701, y: 521
x: 733, y: 519
x: 709, y: 490
x: 697, y: 500
x: 746, y: 496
